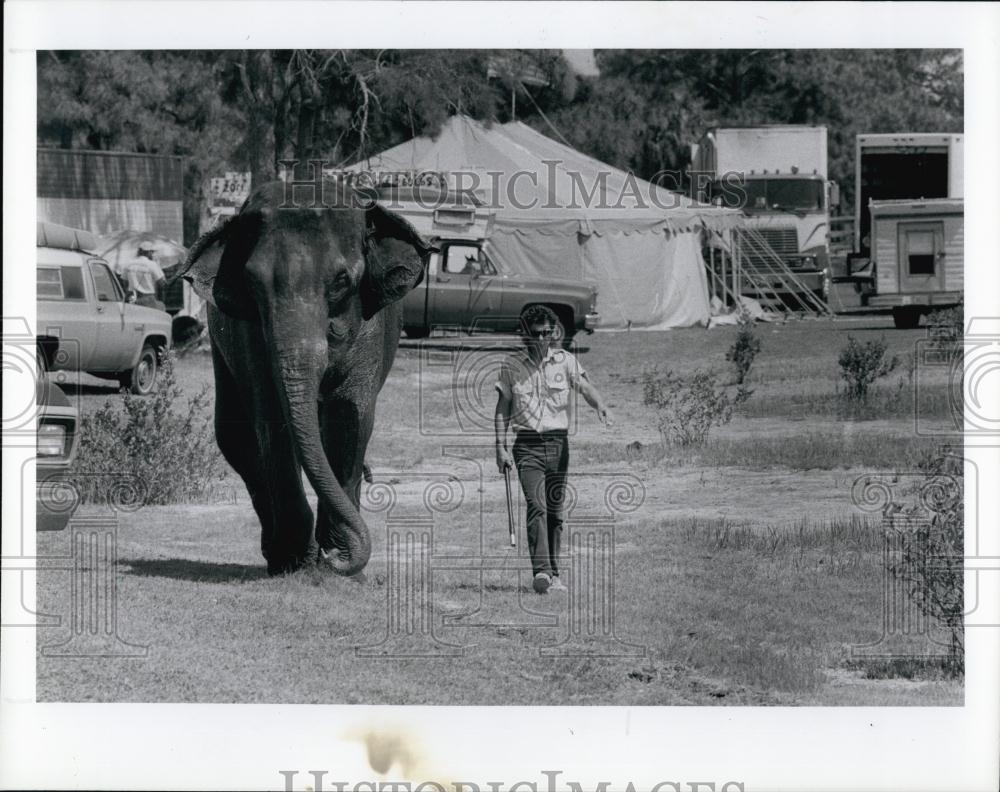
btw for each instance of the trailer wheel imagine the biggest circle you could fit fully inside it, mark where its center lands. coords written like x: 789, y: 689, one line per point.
x: 906, y: 318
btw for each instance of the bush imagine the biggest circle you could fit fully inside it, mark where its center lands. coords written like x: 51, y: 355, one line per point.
x: 948, y: 322
x: 945, y: 331
x: 862, y: 364
x: 929, y: 549
x: 688, y: 407
x: 745, y: 348
x: 169, y: 452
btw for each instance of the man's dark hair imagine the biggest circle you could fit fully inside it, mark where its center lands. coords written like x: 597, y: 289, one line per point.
x: 538, y: 314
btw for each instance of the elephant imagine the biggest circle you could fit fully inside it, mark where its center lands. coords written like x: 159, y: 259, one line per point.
x: 304, y: 319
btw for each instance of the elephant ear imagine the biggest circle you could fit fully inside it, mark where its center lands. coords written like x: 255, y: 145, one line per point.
x: 395, y: 255
x: 216, y: 266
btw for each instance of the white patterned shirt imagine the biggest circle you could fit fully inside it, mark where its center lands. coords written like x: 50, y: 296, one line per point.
x: 540, y: 392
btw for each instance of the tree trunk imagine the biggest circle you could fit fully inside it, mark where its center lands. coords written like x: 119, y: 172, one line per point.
x: 304, y: 143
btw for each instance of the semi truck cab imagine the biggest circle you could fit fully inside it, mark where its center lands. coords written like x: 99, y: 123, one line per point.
x: 778, y: 176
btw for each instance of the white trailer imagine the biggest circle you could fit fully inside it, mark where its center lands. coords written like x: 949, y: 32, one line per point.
x: 918, y: 255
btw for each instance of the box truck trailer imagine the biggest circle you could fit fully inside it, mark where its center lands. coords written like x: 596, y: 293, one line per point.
x: 909, y: 222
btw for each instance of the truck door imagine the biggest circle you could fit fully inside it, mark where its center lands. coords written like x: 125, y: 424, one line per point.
x: 116, y: 342
x: 921, y: 257
x: 466, y: 290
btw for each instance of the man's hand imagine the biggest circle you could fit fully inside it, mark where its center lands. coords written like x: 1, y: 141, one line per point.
x: 593, y: 398
x: 504, y: 460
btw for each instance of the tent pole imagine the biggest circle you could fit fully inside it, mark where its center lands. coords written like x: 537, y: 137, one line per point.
x: 724, y: 289
x: 732, y: 260
x: 722, y: 269
x: 737, y: 263
x: 711, y: 262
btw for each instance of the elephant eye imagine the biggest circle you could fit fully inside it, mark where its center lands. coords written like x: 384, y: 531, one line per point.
x: 342, y: 281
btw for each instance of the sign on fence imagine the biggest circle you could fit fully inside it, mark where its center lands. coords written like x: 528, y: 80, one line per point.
x: 229, y: 192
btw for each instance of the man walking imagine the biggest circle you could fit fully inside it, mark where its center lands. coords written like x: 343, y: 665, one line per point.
x: 143, y: 277
x: 535, y: 388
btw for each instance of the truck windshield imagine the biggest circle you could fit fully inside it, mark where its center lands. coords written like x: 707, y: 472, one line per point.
x: 777, y: 195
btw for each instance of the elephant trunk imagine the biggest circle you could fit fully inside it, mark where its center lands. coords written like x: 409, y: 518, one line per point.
x: 300, y: 375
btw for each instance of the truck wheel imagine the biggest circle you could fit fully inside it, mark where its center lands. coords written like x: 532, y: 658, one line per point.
x: 905, y: 318
x: 415, y: 331
x: 564, y: 331
x: 142, y: 379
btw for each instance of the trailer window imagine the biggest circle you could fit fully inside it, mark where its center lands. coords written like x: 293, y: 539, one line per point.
x: 920, y: 252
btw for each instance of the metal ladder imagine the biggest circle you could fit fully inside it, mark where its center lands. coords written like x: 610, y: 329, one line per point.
x: 762, y: 273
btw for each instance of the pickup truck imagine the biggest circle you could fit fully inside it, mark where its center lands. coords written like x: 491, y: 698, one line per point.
x: 82, y: 310
x: 463, y: 288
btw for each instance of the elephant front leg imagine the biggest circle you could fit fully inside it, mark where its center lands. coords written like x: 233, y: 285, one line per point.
x: 283, y: 505
x: 345, y: 429
x: 265, y: 460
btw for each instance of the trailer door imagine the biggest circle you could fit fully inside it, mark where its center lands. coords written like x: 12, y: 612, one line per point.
x: 921, y: 257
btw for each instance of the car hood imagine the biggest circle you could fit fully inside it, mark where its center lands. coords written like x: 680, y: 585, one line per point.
x: 143, y: 313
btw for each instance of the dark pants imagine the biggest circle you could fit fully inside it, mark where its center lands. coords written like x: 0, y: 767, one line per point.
x: 542, y: 461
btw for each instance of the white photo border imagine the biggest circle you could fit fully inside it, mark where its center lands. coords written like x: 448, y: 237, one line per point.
x: 245, y: 746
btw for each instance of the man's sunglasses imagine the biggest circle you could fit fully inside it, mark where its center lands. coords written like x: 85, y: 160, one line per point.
x: 540, y: 333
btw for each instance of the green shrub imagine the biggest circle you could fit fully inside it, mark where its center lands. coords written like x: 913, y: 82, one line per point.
x: 688, y: 407
x: 745, y: 348
x: 862, y: 364
x: 167, y: 450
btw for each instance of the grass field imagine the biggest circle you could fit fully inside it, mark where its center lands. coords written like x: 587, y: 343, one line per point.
x: 737, y: 572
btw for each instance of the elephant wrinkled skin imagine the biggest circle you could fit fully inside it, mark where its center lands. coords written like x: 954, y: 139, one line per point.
x: 304, y: 320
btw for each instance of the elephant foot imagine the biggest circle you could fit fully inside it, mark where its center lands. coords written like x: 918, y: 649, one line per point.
x: 288, y: 563
x: 288, y: 567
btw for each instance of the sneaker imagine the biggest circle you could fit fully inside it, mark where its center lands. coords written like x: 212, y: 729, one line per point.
x: 541, y: 583
x: 557, y: 584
